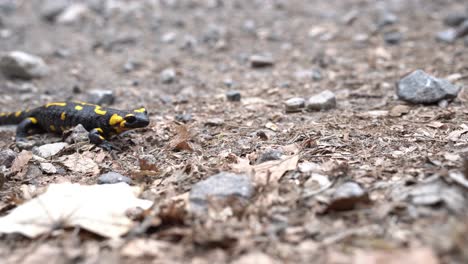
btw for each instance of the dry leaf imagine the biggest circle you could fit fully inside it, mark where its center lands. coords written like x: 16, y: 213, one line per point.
x: 21, y: 160
x: 272, y: 171
x: 181, y: 140
x: 97, y: 208
x: 80, y: 163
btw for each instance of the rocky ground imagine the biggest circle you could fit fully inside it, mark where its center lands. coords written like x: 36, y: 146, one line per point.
x: 281, y: 132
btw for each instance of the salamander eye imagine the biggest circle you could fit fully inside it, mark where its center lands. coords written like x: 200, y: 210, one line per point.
x: 130, y: 119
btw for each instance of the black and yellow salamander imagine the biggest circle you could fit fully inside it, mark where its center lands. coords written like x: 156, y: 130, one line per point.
x: 57, y: 117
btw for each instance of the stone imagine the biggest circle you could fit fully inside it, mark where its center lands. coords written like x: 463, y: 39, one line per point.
x: 18, y: 64
x: 261, y: 61
x: 419, y: 87
x: 295, y: 104
x: 447, y: 36
x: 393, y: 38
x: 169, y: 37
x: 322, y: 101
x: 50, y: 9
x: 216, y: 121
x: 271, y: 154
x: 223, y: 185
x: 462, y: 30
x: 49, y: 150
x: 77, y: 134
x: 112, y: 178
x: 233, y: 96
x: 454, y: 19
x: 347, y: 196
x: 101, y: 97
x: 72, y: 14
x: 168, y: 76
x: 184, y: 118
x: 48, y: 168
x: 7, y: 156
x: 314, y: 75
x: 386, y: 18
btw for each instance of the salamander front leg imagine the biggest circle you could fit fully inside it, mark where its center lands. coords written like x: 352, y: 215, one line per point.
x: 22, y: 132
x: 95, y: 136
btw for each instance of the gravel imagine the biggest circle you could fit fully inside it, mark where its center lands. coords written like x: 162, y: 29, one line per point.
x: 323, y: 101
x: 112, y: 178
x: 18, y: 64
x: 49, y: 150
x: 295, y: 104
x: 168, y: 76
x: 101, y: 97
x: 233, y: 96
x: 261, y: 61
x: 7, y: 156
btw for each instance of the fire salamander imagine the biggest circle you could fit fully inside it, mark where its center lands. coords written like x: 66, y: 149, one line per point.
x: 57, y: 117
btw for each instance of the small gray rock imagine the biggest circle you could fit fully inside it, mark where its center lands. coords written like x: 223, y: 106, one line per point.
x: 271, y: 154
x: 99, y: 97
x: 314, y: 75
x: 216, y: 121
x: 48, y: 168
x: 419, y: 87
x: 184, y: 118
x: 7, y: 156
x: 49, y: 150
x: 169, y: 37
x: 77, y: 134
x: 113, y: 177
x: 18, y: 64
x: 233, y: 96
x: 347, y: 196
x: 322, y: 101
x: 386, y: 18
x: 50, y: 9
x: 168, y: 76
x: 295, y: 104
x: 393, y: 38
x: 462, y: 30
x: 260, y: 61
x: 455, y: 19
x: 447, y: 36
x: 73, y: 13
x: 220, y: 186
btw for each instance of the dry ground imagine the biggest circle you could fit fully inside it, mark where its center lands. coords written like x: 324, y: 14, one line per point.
x: 390, y: 156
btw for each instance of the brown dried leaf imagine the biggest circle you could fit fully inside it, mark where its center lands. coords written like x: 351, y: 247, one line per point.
x: 272, y: 171
x: 80, y: 163
x: 21, y: 160
x: 181, y: 140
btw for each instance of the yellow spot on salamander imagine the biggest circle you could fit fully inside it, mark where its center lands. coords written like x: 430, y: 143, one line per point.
x: 55, y: 104
x: 99, y: 130
x: 33, y: 120
x: 2, y: 114
x: 62, y: 128
x: 17, y: 114
x: 115, y: 119
x: 102, y: 138
x: 140, y: 110
x: 99, y: 111
x: 122, y: 124
x: 52, y: 127
x: 63, y: 116
x: 79, y: 107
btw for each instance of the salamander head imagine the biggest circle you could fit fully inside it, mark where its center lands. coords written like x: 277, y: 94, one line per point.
x: 138, y: 118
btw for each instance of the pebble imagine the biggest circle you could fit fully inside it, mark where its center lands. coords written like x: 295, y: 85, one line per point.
x: 169, y: 37
x: 73, y: 13
x: 223, y: 185
x: 454, y: 19
x: 314, y: 75
x: 185, y: 118
x: 18, y: 64
x: 322, y: 101
x: 168, y: 76
x: 347, y: 196
x: 48, y: 168
x: 214, y: 122
x: 393, y: 38
x: 447, y: 36
x: 113, y: 177
x: 419, y: 87
x: 386, y: 18
x: 462, y: 30
x: 50, y: 9
x: 101, y: 97
x: 260, y: 61
x: 77, y: 134
x: 233, y: 96
x: 49, y: 150
x: 295, y: 104
x: 271, y: 154
x: 7, y: 156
